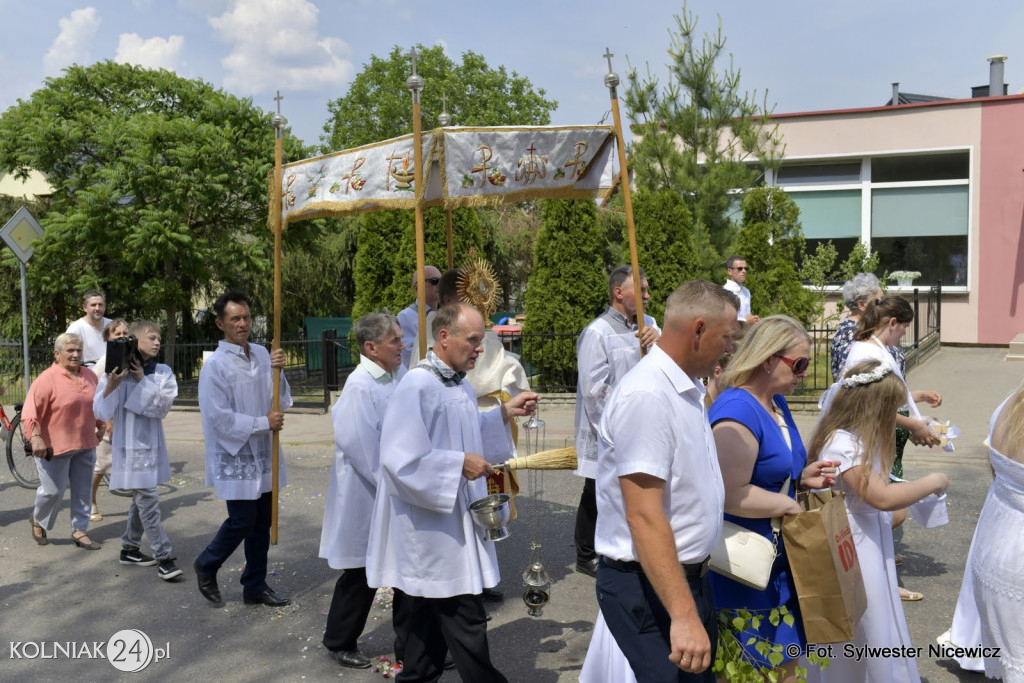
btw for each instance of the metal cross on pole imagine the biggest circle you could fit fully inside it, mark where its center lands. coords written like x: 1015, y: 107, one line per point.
x: 611, y: 80
x: 279, y: 122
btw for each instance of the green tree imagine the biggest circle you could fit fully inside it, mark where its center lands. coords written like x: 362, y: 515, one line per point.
x: 509, y: 233
x: 568, y: 285
x: 317, y: 275
x: 861, y: 260
x: 665, y: 246
x: 467, y: 233
x: 46, y: 313
x: 700, y: 136
x: 160, y: 188
x: 380, y: 237
x: 771, y: 242
x: 378, y: 105
x: 818, y: 269
x: 386, y: 255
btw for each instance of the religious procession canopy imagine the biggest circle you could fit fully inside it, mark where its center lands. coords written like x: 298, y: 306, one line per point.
x: 464, y: 167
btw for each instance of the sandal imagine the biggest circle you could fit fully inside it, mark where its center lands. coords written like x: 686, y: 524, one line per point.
x: 38, y: 533
x: 94, y: 515
x: 910, y: 596
x: 83, y: 541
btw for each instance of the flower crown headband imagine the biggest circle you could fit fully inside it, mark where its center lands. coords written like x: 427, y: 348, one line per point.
x: 867, y: 377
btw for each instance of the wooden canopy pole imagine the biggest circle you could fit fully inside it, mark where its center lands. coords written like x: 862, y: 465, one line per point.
x: 611, y: 80
x: 279, y: 123
x: 415, y: 85
x: 445, y: 119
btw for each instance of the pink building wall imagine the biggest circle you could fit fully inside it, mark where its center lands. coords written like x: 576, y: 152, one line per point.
x: 1001, y: 222
x: 990, y: 310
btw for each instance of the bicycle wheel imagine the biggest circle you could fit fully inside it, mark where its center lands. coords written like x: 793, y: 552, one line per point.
x: 23, y: 466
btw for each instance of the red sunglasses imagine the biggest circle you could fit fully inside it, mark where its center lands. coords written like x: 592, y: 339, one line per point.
x: 797, y: 365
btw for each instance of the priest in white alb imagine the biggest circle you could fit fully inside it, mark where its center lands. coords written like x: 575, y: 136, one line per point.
x: 436, y: 449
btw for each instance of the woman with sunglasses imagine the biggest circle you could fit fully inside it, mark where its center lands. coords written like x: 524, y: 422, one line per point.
x: 763, y: 462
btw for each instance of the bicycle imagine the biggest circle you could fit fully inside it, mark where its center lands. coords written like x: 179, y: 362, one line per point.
x: 19, y: 453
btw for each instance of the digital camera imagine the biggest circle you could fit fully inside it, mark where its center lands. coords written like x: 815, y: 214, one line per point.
x: 120, y: 352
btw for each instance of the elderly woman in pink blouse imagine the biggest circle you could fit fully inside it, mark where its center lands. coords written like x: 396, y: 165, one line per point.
x: 63, y: 433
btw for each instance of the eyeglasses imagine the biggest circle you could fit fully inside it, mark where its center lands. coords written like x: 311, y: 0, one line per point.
x: 433, y: 280
x: 743, y: 268
x: 797, y: 365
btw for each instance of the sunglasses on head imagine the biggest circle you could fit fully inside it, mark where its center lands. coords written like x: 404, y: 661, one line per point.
x: 433, y: 280
x: 797, y: 365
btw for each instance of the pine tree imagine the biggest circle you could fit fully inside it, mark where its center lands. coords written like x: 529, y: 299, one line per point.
x: 701, y: 136
x: 568, y: 285
x: 771, y: 241
x: 665, y: 247
x: 380, y: 237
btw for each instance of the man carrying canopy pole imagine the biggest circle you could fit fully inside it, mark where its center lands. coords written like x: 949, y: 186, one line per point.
x: 612, y: 81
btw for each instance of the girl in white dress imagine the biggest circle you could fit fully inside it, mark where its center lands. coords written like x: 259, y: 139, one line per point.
x: 997, y: 553
x: 858, y: 433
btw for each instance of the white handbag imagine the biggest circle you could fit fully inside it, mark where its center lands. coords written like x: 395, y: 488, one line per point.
x: 746, y: 556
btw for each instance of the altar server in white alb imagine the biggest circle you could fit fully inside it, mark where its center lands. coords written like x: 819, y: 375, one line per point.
x: 137, y: 399
x: 606, y: 350
x: 236, y: 403
x: 436, y: 449
x: 660, y: 496
x: 357, y: 416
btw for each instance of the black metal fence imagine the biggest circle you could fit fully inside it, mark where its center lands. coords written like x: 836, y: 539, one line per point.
x: 316, y: 367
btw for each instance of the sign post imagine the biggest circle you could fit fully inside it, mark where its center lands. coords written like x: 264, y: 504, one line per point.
x: 20, y: 233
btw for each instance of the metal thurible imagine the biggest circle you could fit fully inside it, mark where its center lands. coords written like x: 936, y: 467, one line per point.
x: 538, y: 589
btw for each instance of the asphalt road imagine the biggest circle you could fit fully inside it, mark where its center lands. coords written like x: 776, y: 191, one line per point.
x: 59, y: 594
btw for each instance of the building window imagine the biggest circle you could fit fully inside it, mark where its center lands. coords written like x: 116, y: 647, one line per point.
x: 923, y: 229
x: 830, y: 215
x: 914, y: 210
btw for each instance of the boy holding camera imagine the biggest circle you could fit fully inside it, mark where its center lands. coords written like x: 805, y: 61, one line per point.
x: 137, y: 398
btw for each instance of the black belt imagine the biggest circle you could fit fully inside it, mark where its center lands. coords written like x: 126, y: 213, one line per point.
x: 697, y: 569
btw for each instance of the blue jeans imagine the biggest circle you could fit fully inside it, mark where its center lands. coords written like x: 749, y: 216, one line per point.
x: 144, y: 515
x: 74, y: 469
x: 248, y: 522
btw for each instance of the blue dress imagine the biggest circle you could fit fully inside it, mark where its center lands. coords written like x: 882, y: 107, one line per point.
x: 775, y: 462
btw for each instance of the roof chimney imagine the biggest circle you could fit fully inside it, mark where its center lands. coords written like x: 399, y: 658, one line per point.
x: 895, y: 94
x: 996, y: 87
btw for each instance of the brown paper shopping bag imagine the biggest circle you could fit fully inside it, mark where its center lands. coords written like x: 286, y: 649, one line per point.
x: 826, y: 571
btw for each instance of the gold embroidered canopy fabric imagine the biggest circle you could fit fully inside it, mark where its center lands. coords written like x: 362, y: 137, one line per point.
x: 465, y: 167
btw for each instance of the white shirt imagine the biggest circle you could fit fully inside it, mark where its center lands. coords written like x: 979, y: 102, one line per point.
x: 605, y: 351
x: 139, y: 456
x: 235, y: 395
x: 409, y: 321
x: 744, y: 294
x: 93, y: 344
x: 422, y: 538
x: 357, y: 416
x: 655, y: 423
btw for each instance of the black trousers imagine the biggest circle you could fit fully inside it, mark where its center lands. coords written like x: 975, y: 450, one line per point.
x: 350, y: 607
x: 586, y: 521
x: 248, y: 522
x: 640, y: 623
x: 429, y: 627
